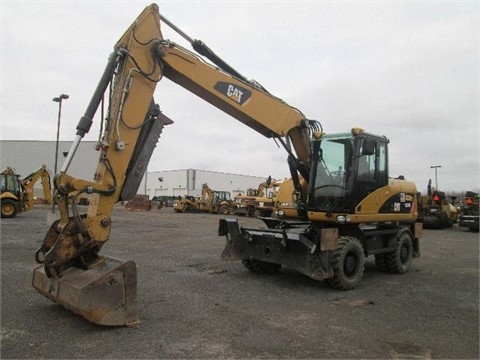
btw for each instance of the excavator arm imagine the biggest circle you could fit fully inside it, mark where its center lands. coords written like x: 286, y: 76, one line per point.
x: 207, y: 197
x: 29, y: 182
x: 102, y: 289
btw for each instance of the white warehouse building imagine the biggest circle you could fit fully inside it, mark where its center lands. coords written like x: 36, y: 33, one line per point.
x: 27, y: 156
x: 190, y: 181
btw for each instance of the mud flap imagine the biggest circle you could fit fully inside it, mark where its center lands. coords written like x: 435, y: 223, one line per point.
x: 105, y: 294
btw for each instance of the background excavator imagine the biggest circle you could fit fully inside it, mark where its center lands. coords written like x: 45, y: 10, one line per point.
x: 469, y: 214
x: 286, y: 201
x: 435, y: 210
x: 187, y: 204
x: 265, y: 203
x: 245, y: 204
x: 345, y: 215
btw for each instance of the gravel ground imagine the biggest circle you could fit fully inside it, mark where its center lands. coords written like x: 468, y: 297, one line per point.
x: 194, y: 305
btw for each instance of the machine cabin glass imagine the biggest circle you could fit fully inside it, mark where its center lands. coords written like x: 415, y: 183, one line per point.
x: 10, y: 183
x: 346, y: 169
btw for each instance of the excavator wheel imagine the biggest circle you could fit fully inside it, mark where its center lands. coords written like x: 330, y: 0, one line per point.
x: 400, y: 260
x: 348, y: 263
x: 189, y: 209
x: 261, y: 267
x: 9, y: 208
x: 224, y: 210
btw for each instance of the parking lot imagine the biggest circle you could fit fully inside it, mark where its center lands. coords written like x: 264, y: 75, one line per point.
x: 194, y: 305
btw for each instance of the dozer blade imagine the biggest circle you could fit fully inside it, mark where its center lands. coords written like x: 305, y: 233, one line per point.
x: 105, y: 294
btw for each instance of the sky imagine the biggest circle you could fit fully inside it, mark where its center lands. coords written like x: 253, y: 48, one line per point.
x: 408, y: 70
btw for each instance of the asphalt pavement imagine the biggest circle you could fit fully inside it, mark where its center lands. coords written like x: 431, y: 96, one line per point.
x: 193, y: 305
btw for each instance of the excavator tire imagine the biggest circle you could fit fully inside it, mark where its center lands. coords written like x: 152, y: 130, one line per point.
x: 189, y: 209
x: 9, y: 208
x: 224, y: 210
x: 348, y: 264
x: 261, y: 267
x: 400, y: 260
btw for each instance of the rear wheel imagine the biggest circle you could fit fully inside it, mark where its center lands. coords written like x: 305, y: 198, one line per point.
x: 261, y: 267
x: 348, y: 263
x: 9, y: 208
x: 189, y: 209
x: 400, y: 260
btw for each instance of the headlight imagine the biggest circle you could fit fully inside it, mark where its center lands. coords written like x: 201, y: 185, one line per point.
x: 341, y: 218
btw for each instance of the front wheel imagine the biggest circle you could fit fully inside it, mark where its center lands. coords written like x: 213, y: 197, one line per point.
x: 400, y: 260
x: 189, y: 209
x: 9, y: 208
x: 224, y: 210
x: 348, y: 264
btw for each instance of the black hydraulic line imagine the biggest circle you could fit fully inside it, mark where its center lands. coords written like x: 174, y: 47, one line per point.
x: 200, y: 47
x: 86, y: 120
x: 293, y: 161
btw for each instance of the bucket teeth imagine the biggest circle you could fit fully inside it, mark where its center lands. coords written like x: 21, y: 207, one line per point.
x: 105, y: 294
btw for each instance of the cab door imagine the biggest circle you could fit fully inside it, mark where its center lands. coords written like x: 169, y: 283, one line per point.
x: 371, y: 167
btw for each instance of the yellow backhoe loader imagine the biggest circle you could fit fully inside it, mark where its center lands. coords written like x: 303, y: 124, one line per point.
x: 28, y: 183
x: 12, y: 194
x: 344, y: 215
x: 188, y: 204
x: 216, y: 202
x: 17, y: 194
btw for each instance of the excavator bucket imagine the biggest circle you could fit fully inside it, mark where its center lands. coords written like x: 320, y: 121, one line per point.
x: 105, y: 294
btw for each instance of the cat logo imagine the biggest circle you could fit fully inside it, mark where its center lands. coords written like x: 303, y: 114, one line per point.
x: 237, y: 93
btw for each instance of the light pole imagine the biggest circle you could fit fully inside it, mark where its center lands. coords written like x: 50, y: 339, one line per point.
x: 436, y: 179
x: 59, y: 100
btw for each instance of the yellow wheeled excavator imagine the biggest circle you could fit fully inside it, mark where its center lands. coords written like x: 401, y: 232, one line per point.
x: 351, y: 208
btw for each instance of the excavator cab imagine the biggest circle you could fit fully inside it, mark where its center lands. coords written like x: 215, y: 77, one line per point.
x: 345, y: 169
